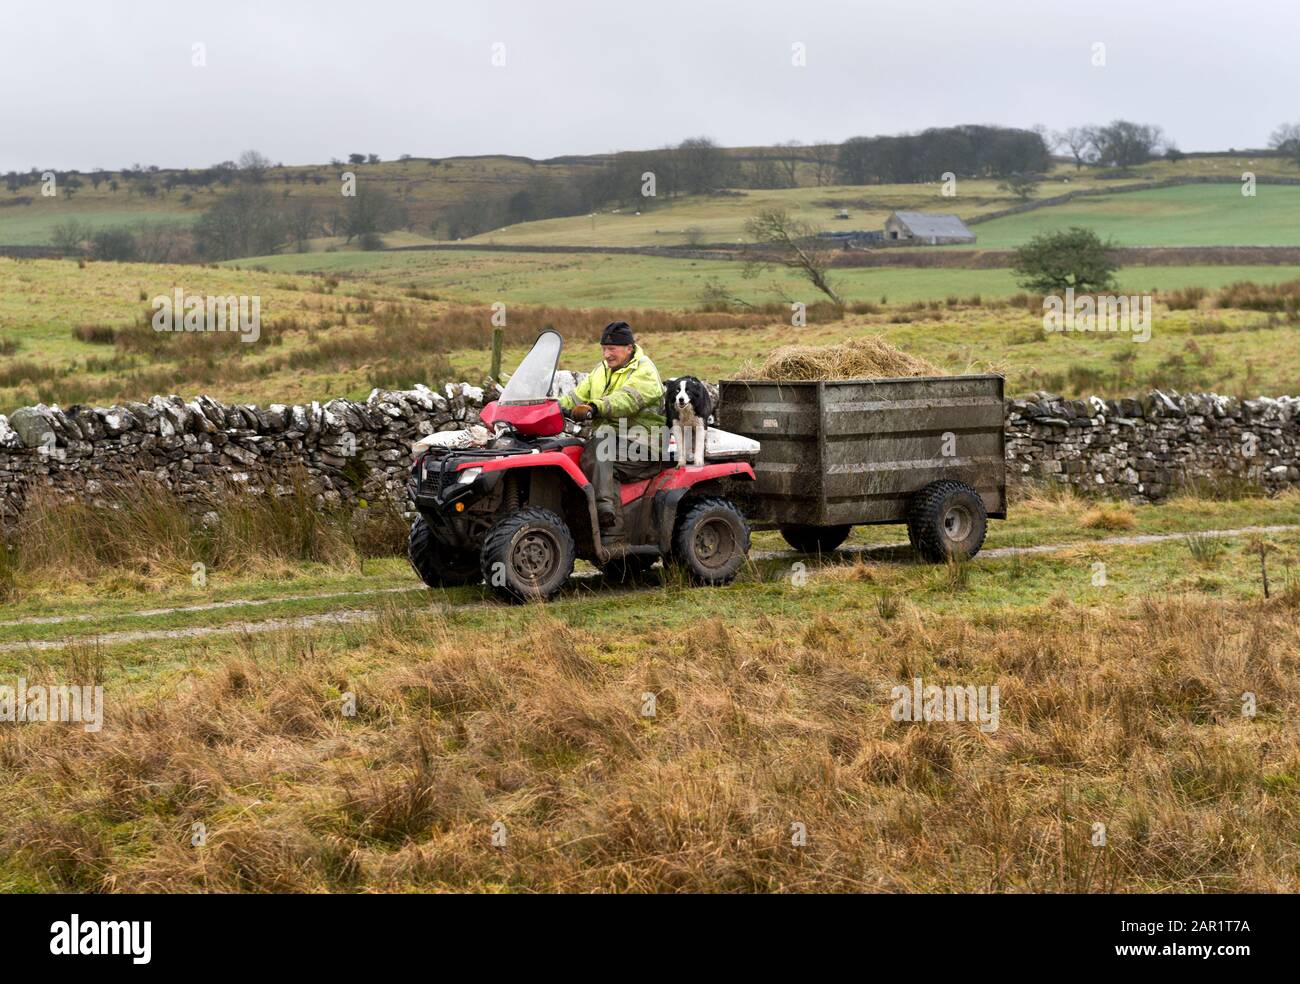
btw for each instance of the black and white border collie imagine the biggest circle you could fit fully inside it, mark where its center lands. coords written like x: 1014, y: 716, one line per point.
x: 688, y: 406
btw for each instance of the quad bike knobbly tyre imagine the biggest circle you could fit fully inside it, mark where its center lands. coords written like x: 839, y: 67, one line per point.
x: 528, y: 555
x: 438, y: 566
x: 814, y: 539
x: 946, y: 519
x: 711, y: 540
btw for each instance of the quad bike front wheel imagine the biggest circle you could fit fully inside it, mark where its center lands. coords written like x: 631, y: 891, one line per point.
x: 947, y: 519
x: 528, y: 555
x: 711, y: 540
x: 437, y: 564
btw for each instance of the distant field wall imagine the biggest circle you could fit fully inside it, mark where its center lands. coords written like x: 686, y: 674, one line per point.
x: 896, y: 256
x: 911, y: 256
x: 992, y: 259
x: 1141, y: 448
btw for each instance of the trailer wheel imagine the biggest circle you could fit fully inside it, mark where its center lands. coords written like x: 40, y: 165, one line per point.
x: 711, y: 541
x: 814, y: 539
x: 437, y: 564
x: 528, y: 555
x: 946, y: 519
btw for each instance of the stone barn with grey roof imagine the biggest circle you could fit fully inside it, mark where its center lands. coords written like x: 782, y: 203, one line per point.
x: 928, y: 228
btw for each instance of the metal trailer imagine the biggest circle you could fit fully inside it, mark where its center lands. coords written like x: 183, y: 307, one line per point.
x: 927, y: 451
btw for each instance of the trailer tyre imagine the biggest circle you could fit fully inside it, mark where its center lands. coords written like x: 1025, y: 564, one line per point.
x: 437, y: 564
x: 946, y: 519
x: 528, y: 555
x: 814, y: 539
x: 711, y: 540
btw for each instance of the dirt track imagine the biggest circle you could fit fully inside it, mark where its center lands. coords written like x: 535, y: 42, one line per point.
x: 353, y: 614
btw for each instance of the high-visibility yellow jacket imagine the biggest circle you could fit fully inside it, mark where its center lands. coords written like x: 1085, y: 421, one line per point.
x: 633, y: 392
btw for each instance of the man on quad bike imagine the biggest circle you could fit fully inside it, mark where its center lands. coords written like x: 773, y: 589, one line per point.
x: 625, y: 387
x: 506, y: 501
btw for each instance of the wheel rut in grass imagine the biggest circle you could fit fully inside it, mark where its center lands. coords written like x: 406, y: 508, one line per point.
x: 344, y: 616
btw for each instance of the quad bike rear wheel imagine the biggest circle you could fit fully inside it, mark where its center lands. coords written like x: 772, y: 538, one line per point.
x: 711, y: 540
x: 528, y: 555
x: 437, y: 564
x: 814, y: 539
x: 947, y: 519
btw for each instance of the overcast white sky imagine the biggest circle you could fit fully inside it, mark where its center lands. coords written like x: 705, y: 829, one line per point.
x: 106, y: 84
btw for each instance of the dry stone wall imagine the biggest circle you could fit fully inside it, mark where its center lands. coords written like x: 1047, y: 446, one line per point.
x: 348, y: 450
x: 1143, y: 449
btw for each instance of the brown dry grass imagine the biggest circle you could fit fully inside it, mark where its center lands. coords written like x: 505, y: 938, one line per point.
x: 1109, y: 516
x: 1129, y: 718
x: 141, y: 527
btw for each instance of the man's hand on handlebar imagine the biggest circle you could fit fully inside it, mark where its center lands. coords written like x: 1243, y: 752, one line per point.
x: 582, y: 411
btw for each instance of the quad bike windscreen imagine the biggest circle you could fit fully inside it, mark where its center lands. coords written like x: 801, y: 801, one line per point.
x: 531, y: 382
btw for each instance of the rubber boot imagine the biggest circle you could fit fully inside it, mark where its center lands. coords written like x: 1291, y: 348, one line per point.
x: 611, y: 524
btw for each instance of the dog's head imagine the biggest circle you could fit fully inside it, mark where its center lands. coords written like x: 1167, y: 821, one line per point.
x: 687, y: 391
x: 681, y: 393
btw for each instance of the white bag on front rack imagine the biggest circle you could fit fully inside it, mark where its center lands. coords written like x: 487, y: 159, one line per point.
x: 720, y: 445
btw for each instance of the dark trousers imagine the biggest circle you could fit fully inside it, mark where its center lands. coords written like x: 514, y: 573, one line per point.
x: 608, y: 459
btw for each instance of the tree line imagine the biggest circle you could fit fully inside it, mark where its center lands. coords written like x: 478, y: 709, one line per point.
x: 248, y: 220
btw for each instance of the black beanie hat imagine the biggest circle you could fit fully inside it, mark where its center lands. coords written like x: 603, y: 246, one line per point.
x: 617, y: 333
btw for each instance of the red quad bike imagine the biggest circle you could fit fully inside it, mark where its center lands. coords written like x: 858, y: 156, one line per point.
x: 508, y: 504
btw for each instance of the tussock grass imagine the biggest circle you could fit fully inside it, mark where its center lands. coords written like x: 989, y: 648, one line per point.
x: 1128, y: 716
x: 143, y: 530
x: 1250, y: 296
x: 1203, y: 548
x: 1186, y: 299
x: 1109, y: 516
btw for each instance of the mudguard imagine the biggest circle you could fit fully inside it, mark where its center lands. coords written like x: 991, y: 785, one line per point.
x: 566, y: 459
x: 670, y: 487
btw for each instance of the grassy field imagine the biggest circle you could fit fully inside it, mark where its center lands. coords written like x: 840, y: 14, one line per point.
x: 427, y: 187
x: 595, y: 280
x: 33, y: 227
x: 772, y: 708
x: 1213, y: 218
x: 1191, y: 215
x: 73, y: 334
x: 1119, y: 704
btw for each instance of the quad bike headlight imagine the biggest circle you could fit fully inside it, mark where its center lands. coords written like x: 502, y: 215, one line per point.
x: 468, y: 475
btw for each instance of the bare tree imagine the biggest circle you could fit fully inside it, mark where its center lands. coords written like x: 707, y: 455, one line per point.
x: 703, y: 165
x: 789, y: 156
x: 791, y: 243
x: 302, y: 224
x: 1022, y: 186
x: 163, y: 242
x: 1122, y: 143
x: 764, y: 173
x: 714, y: 294
x: 254, y: 165
x: 370, y: 212
x: 822, y: 155
x: 1079, y: 140
x: 71, y: 236
x: 244, y: 222
x: 1286, y: 138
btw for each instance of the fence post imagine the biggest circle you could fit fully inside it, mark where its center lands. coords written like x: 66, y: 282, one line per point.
x: 497, y: 334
